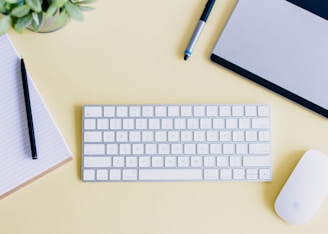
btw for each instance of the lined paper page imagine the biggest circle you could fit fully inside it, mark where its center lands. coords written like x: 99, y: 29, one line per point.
x: 17, y: 168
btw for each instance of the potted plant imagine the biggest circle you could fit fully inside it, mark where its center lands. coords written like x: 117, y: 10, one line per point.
x: 33, y: 14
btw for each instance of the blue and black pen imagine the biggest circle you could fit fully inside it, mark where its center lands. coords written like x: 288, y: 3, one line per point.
x: 198, y: 29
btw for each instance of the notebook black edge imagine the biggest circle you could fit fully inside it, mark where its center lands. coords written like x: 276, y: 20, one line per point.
x: 269, y: 85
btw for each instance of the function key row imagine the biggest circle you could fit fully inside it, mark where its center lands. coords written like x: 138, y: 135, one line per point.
x: 176, y: 110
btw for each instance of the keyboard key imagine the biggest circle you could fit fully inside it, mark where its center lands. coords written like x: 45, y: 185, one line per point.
x: 118, y: 161
x: 265, y: 174
x: 160, y: 136
x: 157, y: 161
x: 205, y: 124
x: 164, y: 149
x: 125, y: 149
x: 115, y: 174
x: 89, y: 175
x: 102, y: 174
x: 128, y: 124
x: 177, y: 149
x: 94, y: 149
x: 215, y: 149
x: 160, y: 111
x: 170, y: 161
x: 238, y: 174
x: 212, y: 136
x: 173, y: 136
x: 144, y: 161
x: 130, y: 174
x: 131, y: 162
x: 199, y: 111
x: 147, y: 111
x: 167, y: 124
x: 259, y: 148
x: 109, y: 111
x: 196, y: 161
x: 183, y: 161
x: 244, y: 123
x: 89, y: 124
x: 212, y: 111
x: 154, y: 124
x: 263, y: 111
x: 92, y: 136
x: 225, y: 111
x: 141, y: 124
x: 186, y: 111
x: 93, y: 111
x: 226, y: 174
x: 256, y: 161
x: 211, y: 174
x: 260, y: 123
x: 222, y: 161
x: 180, y: 124
x: 235, y: 161
x: 209, y: 161
x: 122, y: 111
x: 264, y: 136
x: 109, y: 136
x: 102, y: 124
x: 151, y: 149
x: 237, y: 111
x: 173, y: 111
x: 170, y: 174
x: 112, y: 149
x: 192, y: 123
x: 135, y: 136
x: 97, y: 162
x: 115, y: 124
x: 250, y: 111
x: 186, y: 136
x: 231, y: 123
x: 137, y: 149
x: 135, y: 111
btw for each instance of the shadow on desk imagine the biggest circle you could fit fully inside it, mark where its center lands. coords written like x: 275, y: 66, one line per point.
x: 78, y: 137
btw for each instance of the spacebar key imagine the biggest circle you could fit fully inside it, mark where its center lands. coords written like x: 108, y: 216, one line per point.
x: 170, y: 174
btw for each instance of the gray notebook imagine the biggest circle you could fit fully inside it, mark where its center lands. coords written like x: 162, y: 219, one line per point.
x: 282, y: 45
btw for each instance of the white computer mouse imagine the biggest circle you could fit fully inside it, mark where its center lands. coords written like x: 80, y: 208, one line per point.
x: 305, y: 189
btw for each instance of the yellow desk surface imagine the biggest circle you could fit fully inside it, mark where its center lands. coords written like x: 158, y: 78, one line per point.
x: 132, y: 52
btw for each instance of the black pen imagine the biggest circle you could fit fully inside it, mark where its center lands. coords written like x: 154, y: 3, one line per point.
x: 28, y: 111
x: 198, y: 29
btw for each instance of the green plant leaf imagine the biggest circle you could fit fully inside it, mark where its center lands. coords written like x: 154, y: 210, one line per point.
x: 51, y: 10
x: 85, y: 1
x: 2, y: 7
x: 12, y: 1
x: 74, y: 11
x: 37, y: 21
x: 22, y: 23
x: 4, y: 24
x: 7, y: 7
x: 86, y: 8
x: 63, y: 18
x: 35, y: 5
x: 35, y: 18
x: 60, y: 3
x: 20, y: 11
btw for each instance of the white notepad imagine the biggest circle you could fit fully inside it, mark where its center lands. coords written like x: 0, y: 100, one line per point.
x: 17, y: 168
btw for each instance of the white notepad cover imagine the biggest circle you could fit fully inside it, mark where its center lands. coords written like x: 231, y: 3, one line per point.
x: 17, y: 168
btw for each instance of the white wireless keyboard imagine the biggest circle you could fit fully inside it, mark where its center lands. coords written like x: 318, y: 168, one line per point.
x: 176, y: 143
